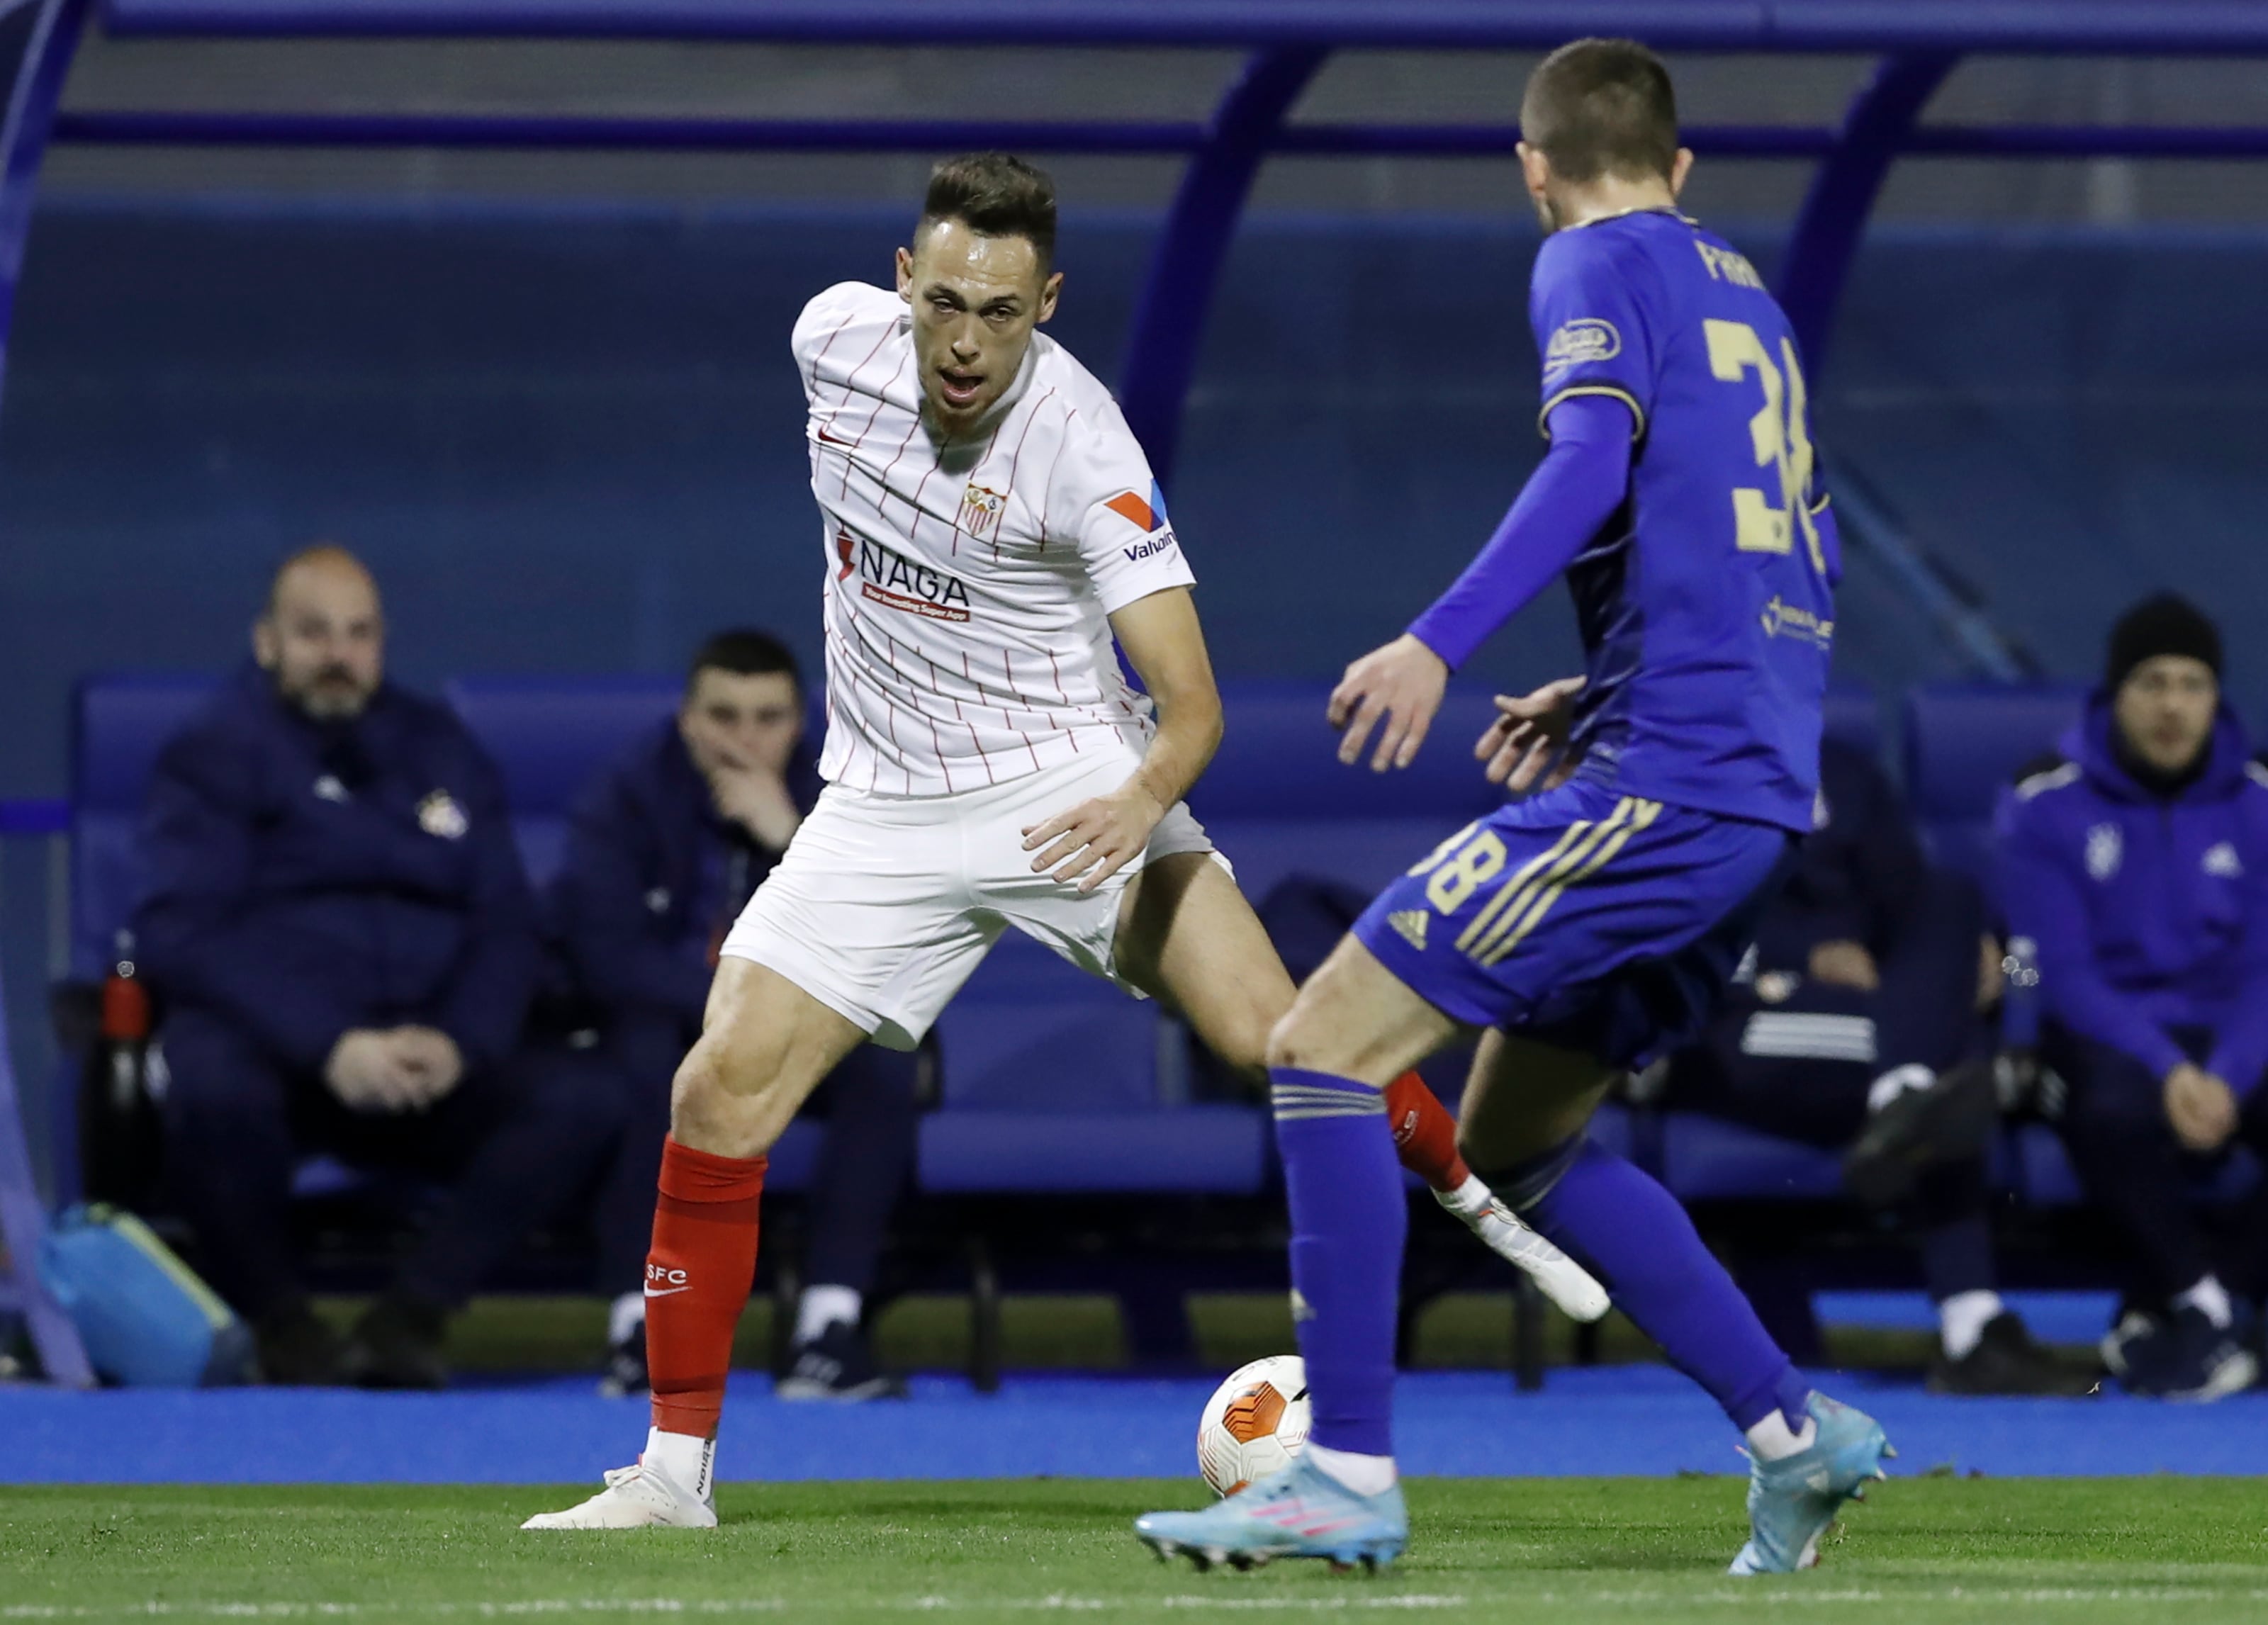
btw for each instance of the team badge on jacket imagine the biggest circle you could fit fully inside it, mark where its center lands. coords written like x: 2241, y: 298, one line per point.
x: 439, y: 815
x: 981, y: 507
x: 2105, y: 848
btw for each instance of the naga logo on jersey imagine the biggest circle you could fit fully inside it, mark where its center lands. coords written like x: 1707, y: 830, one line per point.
x: 1147, y: 514
x: 897, y: 582
x: 981, y: 507
x: 1586, y: 338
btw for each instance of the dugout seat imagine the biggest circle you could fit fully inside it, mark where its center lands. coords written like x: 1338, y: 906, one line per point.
x: 1278, y: 801
x: 551, y: 736
x: 1704, y: 1159
x: 120, y: 724
x: 1853, y: 716
x: 1964, y: 743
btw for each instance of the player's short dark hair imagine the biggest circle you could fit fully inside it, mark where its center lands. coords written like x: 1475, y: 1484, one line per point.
x: 1602, y: 107
x: 995, y: 195
x: 745, y: 652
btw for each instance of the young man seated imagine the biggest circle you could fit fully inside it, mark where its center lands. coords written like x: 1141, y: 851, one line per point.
x: 665, y: 851
x: 2134, y: 861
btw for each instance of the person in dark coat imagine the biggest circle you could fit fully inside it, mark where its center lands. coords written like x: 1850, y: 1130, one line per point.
x: 662, y: 854
x: 1863, y: 1030
x: 344, y: 947
x: 2135, y: 865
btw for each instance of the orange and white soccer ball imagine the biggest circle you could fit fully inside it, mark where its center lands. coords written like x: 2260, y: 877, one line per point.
x: 1254, y: 1422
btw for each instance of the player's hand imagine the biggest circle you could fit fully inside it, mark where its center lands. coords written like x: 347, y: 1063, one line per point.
x: 757, y: 801
x: 365, y: 1072
x: 1844, y: 964
x: 432, y: 1064
x: 1992, y: 974
x: 1526, y: 741
x: 1095, y: 839
x: 1404, y: 683
x: 2201, y: 1107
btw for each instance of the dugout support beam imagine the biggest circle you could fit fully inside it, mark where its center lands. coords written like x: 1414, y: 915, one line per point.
x: 37, y: 38
x: 1185, y: 266
x: 1844, y: 188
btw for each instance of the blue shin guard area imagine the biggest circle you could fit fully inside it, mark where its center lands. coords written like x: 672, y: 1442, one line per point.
x: 1618, y: 1420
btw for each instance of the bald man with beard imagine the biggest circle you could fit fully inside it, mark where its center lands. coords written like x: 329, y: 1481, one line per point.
x: 344, y: 947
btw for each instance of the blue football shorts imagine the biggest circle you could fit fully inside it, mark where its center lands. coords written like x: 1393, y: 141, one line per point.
x: 1597, y: 922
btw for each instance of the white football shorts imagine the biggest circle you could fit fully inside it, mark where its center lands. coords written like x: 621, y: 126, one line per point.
x: 882, y: 906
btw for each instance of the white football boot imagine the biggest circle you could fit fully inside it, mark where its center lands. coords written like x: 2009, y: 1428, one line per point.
x: 636, y: 1497
x: 1561, y: 1279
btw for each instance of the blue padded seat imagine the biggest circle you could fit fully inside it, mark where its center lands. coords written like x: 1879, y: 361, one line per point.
x: 1184, y: 1150
x: 1854, y: 717
x: 1030, y: 1032
x: 1964, y: 744
x: 1278, y: 801
x: 1052, y: 1084
x: 550, y: 737
x: 120, y: 724
x: 1706, y: 1159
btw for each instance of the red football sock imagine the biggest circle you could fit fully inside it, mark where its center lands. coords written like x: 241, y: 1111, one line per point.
x: 697, y: 1278
x: 1424, y: 1134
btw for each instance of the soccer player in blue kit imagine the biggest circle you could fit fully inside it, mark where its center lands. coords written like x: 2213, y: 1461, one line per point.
x: 1596, y: 924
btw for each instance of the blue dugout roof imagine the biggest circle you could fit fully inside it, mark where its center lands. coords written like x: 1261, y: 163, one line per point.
x: 2025, y: 25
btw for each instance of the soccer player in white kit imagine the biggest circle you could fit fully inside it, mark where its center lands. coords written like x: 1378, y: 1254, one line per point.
x: 990, y: 524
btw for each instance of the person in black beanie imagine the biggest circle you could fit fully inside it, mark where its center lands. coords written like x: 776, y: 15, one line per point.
x: 2136, y: 865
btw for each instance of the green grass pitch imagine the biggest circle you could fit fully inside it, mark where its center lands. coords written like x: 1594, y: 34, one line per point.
x: 1922, y: 1549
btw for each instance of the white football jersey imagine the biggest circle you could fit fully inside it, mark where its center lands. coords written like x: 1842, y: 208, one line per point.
x: 967, y: 583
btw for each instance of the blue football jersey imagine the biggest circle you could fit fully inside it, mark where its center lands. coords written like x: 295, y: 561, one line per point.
x: 1706, y: 602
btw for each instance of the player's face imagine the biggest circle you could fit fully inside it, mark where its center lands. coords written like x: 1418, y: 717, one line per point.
x: 735, y: 720
x: 976, y: 300
x: 323, y: 640
x: 2164, y: 710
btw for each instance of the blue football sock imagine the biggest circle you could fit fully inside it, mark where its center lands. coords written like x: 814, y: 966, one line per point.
x: 1638, y: 1241
x: 1349, y: 1218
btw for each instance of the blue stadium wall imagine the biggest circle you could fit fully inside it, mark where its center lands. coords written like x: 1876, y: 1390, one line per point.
x: 571, y: 440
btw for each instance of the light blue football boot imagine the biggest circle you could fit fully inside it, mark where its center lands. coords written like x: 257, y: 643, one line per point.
x: 1791, y: 1501
x: 1301, y: 1511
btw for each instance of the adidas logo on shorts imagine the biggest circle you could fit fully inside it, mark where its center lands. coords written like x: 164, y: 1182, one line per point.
x: 1412, y: 924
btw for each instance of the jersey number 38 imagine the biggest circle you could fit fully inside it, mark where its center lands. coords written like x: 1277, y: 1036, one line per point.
x: 1766, y: 520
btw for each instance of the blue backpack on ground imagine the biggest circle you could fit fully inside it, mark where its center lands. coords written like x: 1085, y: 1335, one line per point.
x: 146, y: 1319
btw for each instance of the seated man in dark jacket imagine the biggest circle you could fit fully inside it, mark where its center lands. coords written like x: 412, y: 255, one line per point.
x: 338, y: 928
x: 664, y: 852
x: 1863, y: 1029
x: 2135, y: 863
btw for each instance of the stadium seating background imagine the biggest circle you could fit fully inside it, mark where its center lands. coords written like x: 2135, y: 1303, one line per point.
x: 567, y: 438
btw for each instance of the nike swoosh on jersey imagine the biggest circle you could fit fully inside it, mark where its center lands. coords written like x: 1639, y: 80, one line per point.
x: 668, y: 1291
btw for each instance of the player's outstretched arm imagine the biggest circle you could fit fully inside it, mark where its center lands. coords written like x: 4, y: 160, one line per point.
x: 1166, y: 645
x: 1576, y: 489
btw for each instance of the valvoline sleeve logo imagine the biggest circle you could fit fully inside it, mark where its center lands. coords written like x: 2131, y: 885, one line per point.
x: 1146, y: 511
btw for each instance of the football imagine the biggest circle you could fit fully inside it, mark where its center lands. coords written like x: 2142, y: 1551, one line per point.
x: 1254, y: 1422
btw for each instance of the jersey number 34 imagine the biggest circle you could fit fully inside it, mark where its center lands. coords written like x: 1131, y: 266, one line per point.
x: 1766, y: 520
